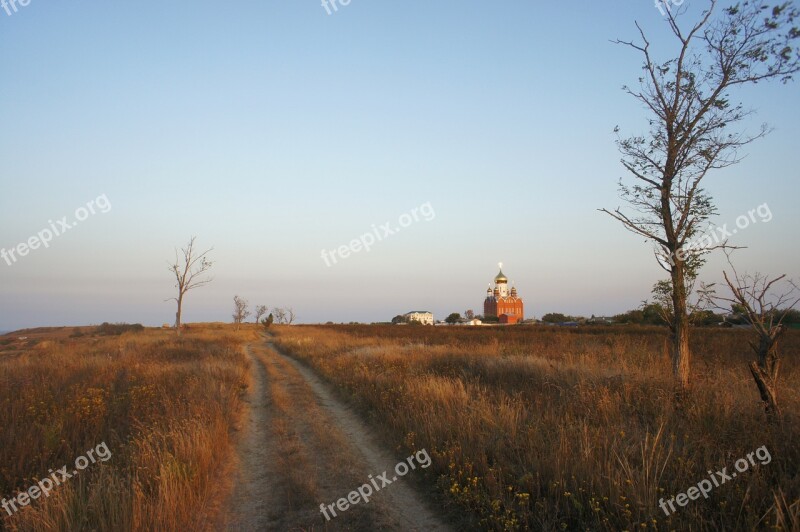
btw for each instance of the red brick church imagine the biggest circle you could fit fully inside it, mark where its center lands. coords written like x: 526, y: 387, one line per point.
x: 501, y: 302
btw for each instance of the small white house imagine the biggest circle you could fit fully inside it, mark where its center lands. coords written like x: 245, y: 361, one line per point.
x: 422, y: 316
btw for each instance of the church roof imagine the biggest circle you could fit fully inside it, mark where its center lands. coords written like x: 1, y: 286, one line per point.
x: 501, y: 277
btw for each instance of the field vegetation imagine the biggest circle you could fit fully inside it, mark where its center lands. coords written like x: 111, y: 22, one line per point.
x: 570, y: 429
x: 164, y: 406
x: 528, y: 427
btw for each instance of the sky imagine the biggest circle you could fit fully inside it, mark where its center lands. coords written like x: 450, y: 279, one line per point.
x: 273, y: 130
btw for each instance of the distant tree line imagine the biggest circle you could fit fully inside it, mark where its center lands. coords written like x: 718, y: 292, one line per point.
x: 279, y: 315
x: 116, y: 329
x: 653, y: 314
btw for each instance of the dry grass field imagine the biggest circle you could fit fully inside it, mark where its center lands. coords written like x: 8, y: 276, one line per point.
x: 164, y: 407
x: 557, y: 429
x: 528, y: 428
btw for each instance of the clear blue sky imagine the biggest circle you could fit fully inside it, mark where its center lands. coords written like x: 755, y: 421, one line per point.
x: 272, y: 130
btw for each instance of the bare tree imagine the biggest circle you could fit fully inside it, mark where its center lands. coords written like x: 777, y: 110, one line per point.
x: 469, y: 314
x: 765, y: 305
x: 188, y: 269
x: 280, y: 315
x: 290, y: 316
x: 240, y: 311
x: 690, y: 112
x: 260, y: 311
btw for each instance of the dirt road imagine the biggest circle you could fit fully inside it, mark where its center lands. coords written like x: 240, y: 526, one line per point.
x: 300, y: 447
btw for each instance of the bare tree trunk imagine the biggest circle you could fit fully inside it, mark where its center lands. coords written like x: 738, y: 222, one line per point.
x: 767, y: 389
x: 681, y: 356
x: 680, y: 352
x: 178, y: 315
x: 765, y: 373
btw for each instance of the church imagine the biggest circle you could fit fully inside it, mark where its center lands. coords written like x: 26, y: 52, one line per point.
x: 501, y: 303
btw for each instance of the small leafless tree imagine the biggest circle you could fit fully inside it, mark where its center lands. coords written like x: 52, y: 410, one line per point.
x: 280, y: 315
x: 691, y: 116
x: 260, y: 311
x: 188, y: 269
x: 765, y: 302
x: 469, y: 314
x: 290, y: 316
x: 240, y: 311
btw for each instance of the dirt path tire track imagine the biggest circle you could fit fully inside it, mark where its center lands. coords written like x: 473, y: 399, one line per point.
x: 405, y: 506
x: 254, y: 497
x: 338, y: 454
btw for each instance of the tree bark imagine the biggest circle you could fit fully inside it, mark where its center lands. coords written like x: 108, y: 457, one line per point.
x: 178, y: 315
x: 681, y: 356
x: 767, y: 390
x: 765, y: 373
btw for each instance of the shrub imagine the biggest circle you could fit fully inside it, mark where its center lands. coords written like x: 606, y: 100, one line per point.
x: 116, y: 329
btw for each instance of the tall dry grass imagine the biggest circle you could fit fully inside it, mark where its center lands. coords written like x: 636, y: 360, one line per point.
x: 164, y: 406
x: 536, y: 428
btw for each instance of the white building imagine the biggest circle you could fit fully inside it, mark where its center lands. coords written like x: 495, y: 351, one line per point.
x: 422, y: 316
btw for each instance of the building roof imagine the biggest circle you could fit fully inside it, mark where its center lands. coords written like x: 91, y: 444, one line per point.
x: 419, y: 312
x: 500, y: 277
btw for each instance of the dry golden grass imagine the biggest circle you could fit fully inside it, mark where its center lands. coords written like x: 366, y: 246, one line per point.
x: 537, y: 428
x: 164, y: 406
